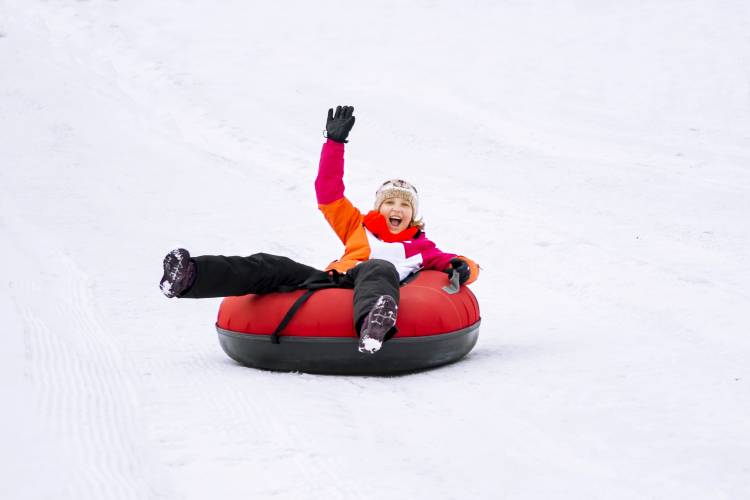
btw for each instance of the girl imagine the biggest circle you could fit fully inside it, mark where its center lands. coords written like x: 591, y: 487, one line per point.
x: 381, y: 249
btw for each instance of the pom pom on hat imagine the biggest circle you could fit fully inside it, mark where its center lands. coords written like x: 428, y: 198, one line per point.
x: 398, y: 188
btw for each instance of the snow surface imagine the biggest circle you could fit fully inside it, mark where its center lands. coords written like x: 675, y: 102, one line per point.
x: 594, y: 157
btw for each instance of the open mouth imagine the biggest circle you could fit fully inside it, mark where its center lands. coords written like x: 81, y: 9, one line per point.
x: 394, y: 221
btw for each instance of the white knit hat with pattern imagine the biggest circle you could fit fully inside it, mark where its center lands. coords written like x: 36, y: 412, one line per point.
x: 398, y: 188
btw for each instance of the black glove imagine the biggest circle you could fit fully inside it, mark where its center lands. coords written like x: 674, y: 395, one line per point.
x: 339, y: 125
x: 462, y: 268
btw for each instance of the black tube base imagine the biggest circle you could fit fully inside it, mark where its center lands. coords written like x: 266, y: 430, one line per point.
x: 339, y: 356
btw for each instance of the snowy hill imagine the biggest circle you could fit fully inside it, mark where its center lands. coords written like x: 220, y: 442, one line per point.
x: 593, y: 158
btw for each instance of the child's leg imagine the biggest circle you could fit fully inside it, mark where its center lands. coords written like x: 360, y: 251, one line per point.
x: 372, y: 279
x: 220, y: 276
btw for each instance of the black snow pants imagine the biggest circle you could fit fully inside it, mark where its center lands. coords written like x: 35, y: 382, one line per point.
x: 220, y: 276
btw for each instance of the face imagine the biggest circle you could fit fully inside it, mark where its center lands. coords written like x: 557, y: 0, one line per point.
x: 397, y: 213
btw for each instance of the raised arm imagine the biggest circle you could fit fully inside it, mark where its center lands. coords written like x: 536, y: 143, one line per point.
x: 343, y: 217
x: 329, y: 185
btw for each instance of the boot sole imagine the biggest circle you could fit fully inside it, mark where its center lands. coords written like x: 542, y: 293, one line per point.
x: 376, y: 332
x: 175, y: 265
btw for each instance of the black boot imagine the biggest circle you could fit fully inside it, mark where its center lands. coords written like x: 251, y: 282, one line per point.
x: 179, y: 273
x: 377, y: 324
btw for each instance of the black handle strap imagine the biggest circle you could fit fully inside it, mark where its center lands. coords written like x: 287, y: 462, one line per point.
x: 329, y: 279
x: 290, y: 314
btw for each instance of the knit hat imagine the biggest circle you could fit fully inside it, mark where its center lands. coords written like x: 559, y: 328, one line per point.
x: 398, y: 188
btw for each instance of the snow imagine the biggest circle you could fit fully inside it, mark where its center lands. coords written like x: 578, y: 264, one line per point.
x: 369, y: 345
x: 592, y: 157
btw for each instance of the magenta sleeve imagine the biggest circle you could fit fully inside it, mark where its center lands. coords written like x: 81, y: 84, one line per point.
x: 434, y: 258
x: 329, y: 185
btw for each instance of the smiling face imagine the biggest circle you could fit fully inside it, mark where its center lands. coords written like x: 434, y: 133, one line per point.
x: 398, y: 214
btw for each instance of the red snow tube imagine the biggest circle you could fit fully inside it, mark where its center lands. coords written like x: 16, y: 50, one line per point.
x: 435, y: 327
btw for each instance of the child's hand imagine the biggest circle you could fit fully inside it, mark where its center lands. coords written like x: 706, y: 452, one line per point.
x: 462, y: 268
x: 339, y: 125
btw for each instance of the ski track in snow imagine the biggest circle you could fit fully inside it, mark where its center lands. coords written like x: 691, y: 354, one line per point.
x: 83, y: 386
x: 608, y: 197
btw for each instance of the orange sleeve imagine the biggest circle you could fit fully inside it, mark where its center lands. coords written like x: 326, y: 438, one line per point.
x: 343, y: 217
